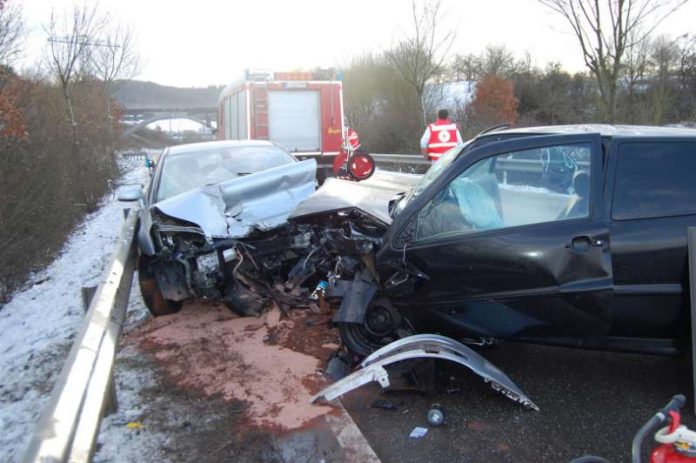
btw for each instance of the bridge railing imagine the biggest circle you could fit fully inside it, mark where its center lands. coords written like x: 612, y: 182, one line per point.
x: 68, y: 429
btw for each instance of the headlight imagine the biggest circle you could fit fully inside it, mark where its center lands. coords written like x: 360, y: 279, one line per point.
x: 208, y: 263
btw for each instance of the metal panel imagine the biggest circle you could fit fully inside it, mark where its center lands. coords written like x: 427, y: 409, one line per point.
x: 692, y: 287
x: 242, y: 115
x: 294, y: 121
x: 68, y: 428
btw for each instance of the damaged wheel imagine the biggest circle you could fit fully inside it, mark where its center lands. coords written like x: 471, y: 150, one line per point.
x: 152, y: 296
x: 383, y: 324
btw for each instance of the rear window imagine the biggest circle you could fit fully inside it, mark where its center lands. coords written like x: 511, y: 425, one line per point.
x: 655, y: 180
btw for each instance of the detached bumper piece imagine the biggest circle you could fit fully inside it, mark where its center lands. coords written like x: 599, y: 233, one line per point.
x: 424, y: 346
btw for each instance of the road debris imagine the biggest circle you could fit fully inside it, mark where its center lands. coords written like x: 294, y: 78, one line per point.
x: 384, y: 404
x: 436, y: 417
x: 418, y: 432
x: 418, y: 347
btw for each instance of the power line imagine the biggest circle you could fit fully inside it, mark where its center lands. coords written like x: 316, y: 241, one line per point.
x: 84, y: 41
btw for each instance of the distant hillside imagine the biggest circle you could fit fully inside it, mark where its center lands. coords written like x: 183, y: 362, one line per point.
x: 139, y: 94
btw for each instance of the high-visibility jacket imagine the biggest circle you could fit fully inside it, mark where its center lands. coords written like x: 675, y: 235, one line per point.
x: 443, y: 137
x: 353, y: 138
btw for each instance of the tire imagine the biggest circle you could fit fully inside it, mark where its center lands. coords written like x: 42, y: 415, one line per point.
x: 361, y: 166
x: 383, y: 324
x: 152, y: 296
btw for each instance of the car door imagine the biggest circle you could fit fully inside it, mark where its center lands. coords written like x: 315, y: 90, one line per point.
x: 653, y: 203
x: 492, y: 248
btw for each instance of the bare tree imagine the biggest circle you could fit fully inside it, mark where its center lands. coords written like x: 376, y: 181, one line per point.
x: 467, y: 67
x: 687, y: 76
x: 497, y: 60
x: 70, y: 38
x: 115, y: 58
x: 419, y: 57
x: 11, y: 31
x: 663, y: 58
x: 605, y: 30
x: 635, y: 71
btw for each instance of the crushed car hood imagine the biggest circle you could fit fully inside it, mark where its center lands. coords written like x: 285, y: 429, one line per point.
x: 233, y: 208
x: 369, y: 196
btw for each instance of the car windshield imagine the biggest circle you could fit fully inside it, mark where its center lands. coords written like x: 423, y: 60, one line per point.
x: 429, y: 177
x: 193, y: 169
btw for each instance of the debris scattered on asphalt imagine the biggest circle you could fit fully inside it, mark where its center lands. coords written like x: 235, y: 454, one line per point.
x: 273, y: 316
x: 436, y: 417
x: 418, y: 432
x: 384, y: 404
x: 339, y: 366
x: 135, y: 425
x: 208, y: 349
x: 417, y: 347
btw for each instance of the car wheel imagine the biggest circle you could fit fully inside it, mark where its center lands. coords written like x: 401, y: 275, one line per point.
x: 152, y: 296
x: 361, y: 166
x: 383, y: 324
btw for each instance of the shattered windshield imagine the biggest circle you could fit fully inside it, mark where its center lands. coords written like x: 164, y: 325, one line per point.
x: 429, y: 177
x: 193, y: 169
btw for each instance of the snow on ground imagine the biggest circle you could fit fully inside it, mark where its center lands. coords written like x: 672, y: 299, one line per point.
x: 178, y: 125
x: 38, y: 325
x: 124, y: 437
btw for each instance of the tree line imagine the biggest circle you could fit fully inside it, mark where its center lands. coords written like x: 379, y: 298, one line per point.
x: 59, y: 132
x: 632, y: 76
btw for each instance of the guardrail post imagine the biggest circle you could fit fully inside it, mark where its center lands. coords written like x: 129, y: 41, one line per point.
x: 111, y: 405
x: 87, y: 296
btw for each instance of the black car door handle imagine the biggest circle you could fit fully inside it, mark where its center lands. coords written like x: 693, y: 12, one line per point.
x: 583, y: 243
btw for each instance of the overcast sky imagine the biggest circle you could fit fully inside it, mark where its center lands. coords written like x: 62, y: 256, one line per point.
x: 204, y: 42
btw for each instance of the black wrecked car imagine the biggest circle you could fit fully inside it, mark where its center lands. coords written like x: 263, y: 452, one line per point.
x: 490, y: 244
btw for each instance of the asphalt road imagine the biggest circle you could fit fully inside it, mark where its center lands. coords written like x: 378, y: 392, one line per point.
x: 591, y: 403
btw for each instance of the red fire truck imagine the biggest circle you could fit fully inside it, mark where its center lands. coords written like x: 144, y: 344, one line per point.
x: 301, y: 111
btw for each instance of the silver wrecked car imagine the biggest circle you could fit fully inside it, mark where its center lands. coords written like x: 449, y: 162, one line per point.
x: 206, y: 206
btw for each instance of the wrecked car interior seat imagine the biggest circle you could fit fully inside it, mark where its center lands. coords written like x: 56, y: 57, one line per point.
x: 578, y: 204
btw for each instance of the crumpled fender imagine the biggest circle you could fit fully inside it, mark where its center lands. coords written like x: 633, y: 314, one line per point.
x: 425, y: 346
x: 356, y: 297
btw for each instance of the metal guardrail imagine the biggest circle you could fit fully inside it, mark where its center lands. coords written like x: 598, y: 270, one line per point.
x: 134, y: 154
x: 400, y: 158
x: 68, y: 429
x: 516, y: 165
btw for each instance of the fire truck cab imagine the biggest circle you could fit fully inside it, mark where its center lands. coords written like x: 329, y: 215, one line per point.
x: 300, y: 111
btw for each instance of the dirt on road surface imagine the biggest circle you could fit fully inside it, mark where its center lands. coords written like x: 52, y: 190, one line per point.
x: 207, y: 385
x: 206, y: 348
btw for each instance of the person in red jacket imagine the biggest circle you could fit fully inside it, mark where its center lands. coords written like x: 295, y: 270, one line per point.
x: 439, y: 137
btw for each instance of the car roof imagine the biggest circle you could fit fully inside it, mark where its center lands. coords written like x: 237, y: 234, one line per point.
x: 191, y: 147
x: 606, y: 130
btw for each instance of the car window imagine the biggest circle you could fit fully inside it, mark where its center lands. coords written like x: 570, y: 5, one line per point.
x: 654, y: 180
x: 435, y: 171
x: 193, y: 169
x: 512, y: 189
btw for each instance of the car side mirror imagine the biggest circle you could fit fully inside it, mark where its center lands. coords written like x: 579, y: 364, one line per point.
x: 131, y: 193
x: 394, y: 201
